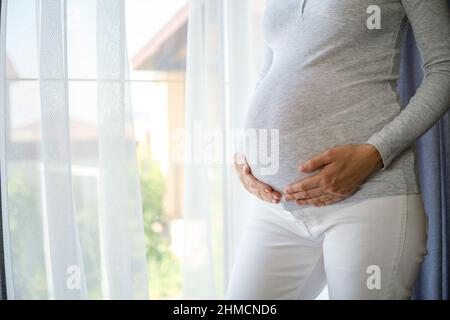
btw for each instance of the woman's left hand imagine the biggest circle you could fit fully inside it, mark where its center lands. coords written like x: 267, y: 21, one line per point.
x: 343, y: 170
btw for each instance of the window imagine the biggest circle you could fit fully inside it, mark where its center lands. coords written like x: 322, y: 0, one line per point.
x: 157, y: 36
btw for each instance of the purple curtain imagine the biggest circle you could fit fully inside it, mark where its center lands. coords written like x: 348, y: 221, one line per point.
x: 433, y: 151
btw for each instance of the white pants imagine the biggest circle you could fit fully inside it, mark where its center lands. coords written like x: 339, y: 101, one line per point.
x: 370, y: 249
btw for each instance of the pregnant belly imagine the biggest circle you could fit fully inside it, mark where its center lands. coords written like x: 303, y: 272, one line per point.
x: 292, y: 126
x: 275, y: 160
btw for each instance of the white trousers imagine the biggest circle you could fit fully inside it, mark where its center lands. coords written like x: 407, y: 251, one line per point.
x: 370, y: 249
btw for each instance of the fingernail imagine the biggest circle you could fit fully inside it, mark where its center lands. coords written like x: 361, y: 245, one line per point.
x: 276, y: 197
x: 301, y: 167
x: 267, y: 190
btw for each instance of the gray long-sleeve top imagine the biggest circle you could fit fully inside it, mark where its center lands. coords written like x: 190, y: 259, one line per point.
x: 328, y: 79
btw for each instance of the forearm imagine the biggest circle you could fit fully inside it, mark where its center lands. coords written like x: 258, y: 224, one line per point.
x: 431, y: 101
x: 430, y: 20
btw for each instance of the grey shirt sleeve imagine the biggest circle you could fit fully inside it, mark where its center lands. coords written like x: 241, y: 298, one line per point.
x: 430, y: 20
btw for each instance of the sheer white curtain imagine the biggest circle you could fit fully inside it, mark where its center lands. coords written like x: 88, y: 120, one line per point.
x: 70, y: 190
x: 224, y: 54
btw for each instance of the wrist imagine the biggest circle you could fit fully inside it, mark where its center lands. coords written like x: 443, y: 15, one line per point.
x: 374, y: 156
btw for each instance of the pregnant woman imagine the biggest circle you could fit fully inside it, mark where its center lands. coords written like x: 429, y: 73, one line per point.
x: 344, y: 208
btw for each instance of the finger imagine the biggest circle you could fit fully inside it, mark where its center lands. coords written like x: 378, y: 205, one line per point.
x: 316, y: 200
x: 267, y: 189
x: 238, y: 168
x: 272, y: 195
x: 304, y: 185
x: 330, y: 202
x: 239, y: 162
x: 315, y: 192
x: 266, y: 192
x: 250, y: 178
x: 246, y: 169
x: 316, y: 162
x: 251, y: 184
x: 239, y: 158
x: 266, y: 196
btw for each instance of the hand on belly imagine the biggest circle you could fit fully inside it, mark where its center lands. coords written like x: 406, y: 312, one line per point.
x: 256, y: 187
x: 342, y: 170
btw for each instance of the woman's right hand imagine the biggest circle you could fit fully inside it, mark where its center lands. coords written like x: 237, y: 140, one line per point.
x: 253, y: 185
